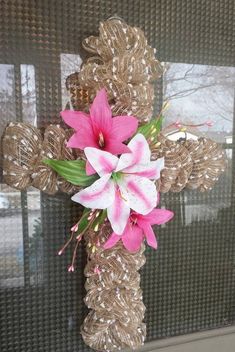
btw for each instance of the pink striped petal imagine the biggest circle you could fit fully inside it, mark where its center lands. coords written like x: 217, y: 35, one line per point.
x: 140, y: 153
x: 132, y: 237
x: 103, y: 162
x: 99, y: 195
x: 118, y: 213
x: 140, y: 193
x: 89, y: 169
x: 151, y: 170
x: 157, y: 216
x: 124, y: 127
x: 101, y: 114
x: 113, y: 239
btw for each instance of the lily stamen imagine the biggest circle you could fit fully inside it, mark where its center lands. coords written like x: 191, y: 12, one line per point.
x: 101, y: 140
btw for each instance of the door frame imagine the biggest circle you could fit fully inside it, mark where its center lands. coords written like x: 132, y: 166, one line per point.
x: 216, y: 340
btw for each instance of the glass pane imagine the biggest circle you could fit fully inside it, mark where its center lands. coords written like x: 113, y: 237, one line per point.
x: 11, y: 239
x: 28, y: 92
x: 35, y: 233
x: 200, y: 93
x: 7, y: 95
x: 69, y: 63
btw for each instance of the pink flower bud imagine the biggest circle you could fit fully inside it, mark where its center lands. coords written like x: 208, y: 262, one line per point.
x: 177, y: 124
x: 60, y: 252
x: 209, y: 123
x: 71, y: 268
x: 74, y: 228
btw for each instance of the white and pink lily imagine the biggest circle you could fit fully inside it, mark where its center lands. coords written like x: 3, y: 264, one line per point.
x: 125, y: 183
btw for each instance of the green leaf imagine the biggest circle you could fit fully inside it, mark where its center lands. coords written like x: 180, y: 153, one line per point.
x: 151, y: 129
x: 100, y: 219
x: 72, y: 171
x: 103, y: 216
x: 83, y: 223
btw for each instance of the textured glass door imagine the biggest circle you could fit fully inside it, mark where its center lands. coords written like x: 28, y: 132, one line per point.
x: 188, y: 283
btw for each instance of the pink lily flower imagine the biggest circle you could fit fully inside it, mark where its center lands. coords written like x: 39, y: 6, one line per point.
x: 99, y: 129
x: 139, y: 227
x: 125, y: 183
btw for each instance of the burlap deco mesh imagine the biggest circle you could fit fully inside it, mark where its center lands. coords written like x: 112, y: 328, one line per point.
x: 178, y: 164
x: 53, y: 147
x: 115, y: 320
x: 124, y: 64
x: 21, y: 146
x: 194, y: 164
x: 209, y: 162
x: 24, y: 149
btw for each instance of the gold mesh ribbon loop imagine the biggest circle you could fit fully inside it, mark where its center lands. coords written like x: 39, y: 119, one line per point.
x: 178, y: 165
x: 193, y: 164
x: 209, y: 162
x: 124, y: 64
x: 24, y: 149
x: 21, y: 147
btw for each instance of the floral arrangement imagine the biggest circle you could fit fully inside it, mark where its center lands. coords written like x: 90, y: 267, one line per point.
x: 120, y: 177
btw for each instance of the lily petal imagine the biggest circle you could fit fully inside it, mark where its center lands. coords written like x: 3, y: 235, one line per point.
x: 150, y: 236
x: 151, y: 170
x: 99, y: 195
x: 76, y: 119
x: 101, y: 114
x: 118, y: 213
x: 103, y: 162
x: 81, y: 122
x: 124, y: 127
x: 81, y: 141
x: 140, y: 193
x: 140, y: 153
x: 113, y: 239
x: 116, y: 147
x: 132, y: 237
x: 89, y: 169
x: 158, y: 216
